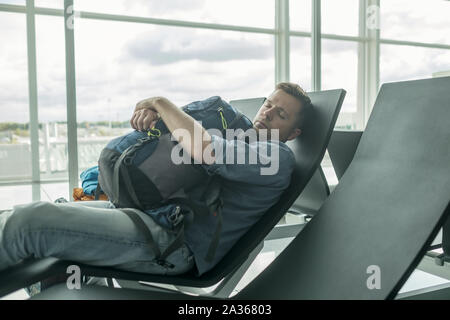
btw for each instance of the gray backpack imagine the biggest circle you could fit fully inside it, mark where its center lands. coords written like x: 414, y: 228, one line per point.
x: 136, y: 171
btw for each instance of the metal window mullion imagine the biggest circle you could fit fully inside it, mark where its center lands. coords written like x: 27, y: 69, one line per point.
x: 72, y: 143
x: 32, y: 98
x: 201, y: 25
x: 282, y: 46
x: 372, y: 70
x: 316, y: 48
x: 415, y: 44
x: 171, y: 22
x: 144, y: 20
x: 361, y: 80
x: 13, y: 8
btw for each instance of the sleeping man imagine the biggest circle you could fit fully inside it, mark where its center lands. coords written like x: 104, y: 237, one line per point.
x: 96, y: 233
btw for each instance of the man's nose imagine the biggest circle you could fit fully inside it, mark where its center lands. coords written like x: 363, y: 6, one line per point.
x: 268, y: 114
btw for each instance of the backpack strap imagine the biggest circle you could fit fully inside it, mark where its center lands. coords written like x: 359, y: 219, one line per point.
x: 214, y: 202
x: 97, y: 191
x: 213, y: 206
x: 130, y: 187
x: 215, y: 240
x: 121, y: 171
x: 177, y: 243
x: 142, y: 227
x: 116, y: 178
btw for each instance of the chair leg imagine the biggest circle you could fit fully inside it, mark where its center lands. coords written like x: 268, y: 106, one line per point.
x: 446, y: 237
x: 109, y: 282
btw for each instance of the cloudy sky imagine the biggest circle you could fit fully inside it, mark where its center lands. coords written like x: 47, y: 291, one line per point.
x: 118, y: 64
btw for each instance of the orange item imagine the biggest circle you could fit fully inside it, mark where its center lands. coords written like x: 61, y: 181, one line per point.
x: 78, y: 195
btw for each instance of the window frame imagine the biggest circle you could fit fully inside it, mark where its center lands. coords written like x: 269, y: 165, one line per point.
x: 368, y: 41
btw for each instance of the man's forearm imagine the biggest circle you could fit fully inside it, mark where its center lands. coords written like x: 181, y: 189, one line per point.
x: 190, y: 134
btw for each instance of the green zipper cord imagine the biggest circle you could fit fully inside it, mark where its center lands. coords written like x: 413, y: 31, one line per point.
x: 153, y: 132
x: 224, y: 121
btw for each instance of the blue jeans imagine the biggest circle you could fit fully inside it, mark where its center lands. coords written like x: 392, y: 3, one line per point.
x: 89, y: 232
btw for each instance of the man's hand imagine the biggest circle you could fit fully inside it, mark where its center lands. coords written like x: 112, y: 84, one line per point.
x: 144, y: 119
x: 185, y: 129
x: 145, y: 114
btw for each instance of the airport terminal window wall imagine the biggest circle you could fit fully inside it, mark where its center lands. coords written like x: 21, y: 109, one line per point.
x: 415, y: 40
x: 339, y: 50
x: 119, y: 61
x: 132, y: 61
x: 128, y: 50
x: 14, y: 124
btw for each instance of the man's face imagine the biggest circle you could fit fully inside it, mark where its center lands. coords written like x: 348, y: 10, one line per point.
x: 279, y: 111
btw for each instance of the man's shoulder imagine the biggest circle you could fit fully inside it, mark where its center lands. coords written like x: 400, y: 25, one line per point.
x: 287, y: 157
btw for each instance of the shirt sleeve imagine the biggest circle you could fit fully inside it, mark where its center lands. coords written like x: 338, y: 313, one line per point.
x: 259, y: 162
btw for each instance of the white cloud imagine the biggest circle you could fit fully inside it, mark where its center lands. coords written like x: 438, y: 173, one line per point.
x: 169, y: 46
x: 107, y: 70
x: 340, y: 17
x: 398, y: 63
x: 416, y: 20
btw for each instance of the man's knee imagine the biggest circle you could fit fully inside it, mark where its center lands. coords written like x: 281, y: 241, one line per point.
x: 27, y: 217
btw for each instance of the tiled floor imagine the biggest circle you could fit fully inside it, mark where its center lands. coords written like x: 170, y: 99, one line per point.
x: 18, y: 295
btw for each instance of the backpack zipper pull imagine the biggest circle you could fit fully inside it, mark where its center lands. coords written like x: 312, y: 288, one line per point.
x: 154, y: 132
x: 224, y: 121
x: 165, y: 264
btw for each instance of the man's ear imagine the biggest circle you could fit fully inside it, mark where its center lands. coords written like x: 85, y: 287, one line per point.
x: 294, y: 134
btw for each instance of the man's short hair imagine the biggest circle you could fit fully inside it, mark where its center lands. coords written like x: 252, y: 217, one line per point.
x: 298, y: 93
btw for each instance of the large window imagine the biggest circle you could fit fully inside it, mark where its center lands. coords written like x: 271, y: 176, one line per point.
x: 126, y: 51
x: 121, y: 63
x: 415, y: 39
x: 339, y: 55
x: 231, y: 12
x: 300, y: 62
x: 340, y: 69
x: 416, y: 20
x: 51, y: 85
x: 15, y: 148
x: 398, y: 63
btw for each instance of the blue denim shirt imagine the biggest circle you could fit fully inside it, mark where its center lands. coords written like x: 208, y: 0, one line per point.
x: 248, y: 190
